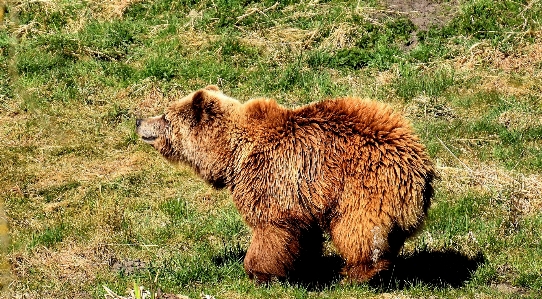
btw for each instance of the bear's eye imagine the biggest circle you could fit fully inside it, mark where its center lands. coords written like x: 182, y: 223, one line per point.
x: 166, y: 120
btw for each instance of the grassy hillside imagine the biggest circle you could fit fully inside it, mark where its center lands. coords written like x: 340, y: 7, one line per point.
x: 88, y: 205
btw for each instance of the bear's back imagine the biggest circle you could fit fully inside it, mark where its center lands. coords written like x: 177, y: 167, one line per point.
x: 306, y: 157
x: 343, y: 116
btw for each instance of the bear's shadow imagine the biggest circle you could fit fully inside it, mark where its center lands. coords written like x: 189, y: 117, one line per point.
x: 447, y: 268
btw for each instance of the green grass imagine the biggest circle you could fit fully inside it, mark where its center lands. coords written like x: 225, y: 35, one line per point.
x: 81, y: 193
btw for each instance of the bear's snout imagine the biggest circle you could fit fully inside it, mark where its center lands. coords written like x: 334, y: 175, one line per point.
x: 149, y: 129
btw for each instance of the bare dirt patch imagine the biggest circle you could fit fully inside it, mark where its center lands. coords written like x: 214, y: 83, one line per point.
x: 423, y: 13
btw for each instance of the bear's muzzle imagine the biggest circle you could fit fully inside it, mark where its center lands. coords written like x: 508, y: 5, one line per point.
x: 149, y: 129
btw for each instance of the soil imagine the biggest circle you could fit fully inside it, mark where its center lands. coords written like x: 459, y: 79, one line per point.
x: 127, y: 266
x: 423, y: 13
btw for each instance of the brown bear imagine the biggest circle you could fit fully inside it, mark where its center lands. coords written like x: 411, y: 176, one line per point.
x: 350, y: 168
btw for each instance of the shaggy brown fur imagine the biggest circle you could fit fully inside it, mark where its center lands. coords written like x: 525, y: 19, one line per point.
x: 348, y: 167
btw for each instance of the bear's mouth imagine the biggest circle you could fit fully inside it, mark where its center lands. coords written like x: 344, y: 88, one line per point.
x: 149, y: 139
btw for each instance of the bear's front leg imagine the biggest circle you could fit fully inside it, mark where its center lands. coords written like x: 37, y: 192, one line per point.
x: 282, y: 252
x: 272, y: 254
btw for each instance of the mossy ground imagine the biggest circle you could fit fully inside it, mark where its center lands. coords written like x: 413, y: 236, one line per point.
x: 89, y: 206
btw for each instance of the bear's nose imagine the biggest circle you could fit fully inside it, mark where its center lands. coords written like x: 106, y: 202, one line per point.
x: 138, y: 122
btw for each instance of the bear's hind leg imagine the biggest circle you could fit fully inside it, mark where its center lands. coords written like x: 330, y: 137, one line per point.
x: 364, y: 271
x: 281, y: 253
x: 365, y: 249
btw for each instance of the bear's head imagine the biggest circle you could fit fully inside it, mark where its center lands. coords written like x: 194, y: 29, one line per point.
x: 196, y: 130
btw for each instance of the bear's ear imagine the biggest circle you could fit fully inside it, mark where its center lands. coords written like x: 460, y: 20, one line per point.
x: 203, y: 106
x: 212, y: 87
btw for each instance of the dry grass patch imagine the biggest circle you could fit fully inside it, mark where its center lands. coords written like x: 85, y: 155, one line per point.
x: 151, y: 100
x: 95, y: 10
x: 518, y: 120
x: 523, y: 191
x: 46, y: 273
x: 278, y: 43
x: 71, y: 168
x: 109, y: 9
x: 72, y: 263
x: 515, y: 74
x: 341, y: 36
